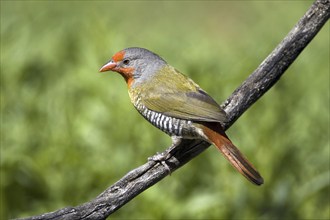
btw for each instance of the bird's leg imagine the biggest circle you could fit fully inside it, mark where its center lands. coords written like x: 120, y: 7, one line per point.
x: 162, y: 157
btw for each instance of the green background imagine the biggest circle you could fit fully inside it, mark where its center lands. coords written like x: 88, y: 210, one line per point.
x: 68, y: 132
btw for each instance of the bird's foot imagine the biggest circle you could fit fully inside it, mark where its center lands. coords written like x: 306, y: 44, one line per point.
x: 166, y: 155
x: 161, y: 158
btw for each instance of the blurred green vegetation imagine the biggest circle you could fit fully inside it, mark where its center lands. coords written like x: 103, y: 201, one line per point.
x: 68, y: 132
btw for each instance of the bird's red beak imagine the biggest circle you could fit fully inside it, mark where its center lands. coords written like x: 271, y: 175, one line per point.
x: 108, y: 66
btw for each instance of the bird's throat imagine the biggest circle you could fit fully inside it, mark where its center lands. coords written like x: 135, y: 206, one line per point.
x: 127, y: 73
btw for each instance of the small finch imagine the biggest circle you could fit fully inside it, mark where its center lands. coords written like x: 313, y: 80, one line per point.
x: 176, y: 105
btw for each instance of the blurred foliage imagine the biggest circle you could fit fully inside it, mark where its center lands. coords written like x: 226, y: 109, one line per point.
x: 68, y: 132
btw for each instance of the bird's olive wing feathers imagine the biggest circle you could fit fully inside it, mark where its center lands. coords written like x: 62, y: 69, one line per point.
x: 175, y: 95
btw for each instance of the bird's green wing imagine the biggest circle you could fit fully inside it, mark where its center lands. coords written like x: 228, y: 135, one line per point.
x: 175, y: 95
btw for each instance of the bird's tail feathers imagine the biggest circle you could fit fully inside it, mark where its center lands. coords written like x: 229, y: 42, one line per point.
x: 218, y: 137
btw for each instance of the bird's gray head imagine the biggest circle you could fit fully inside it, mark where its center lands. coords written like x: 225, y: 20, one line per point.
x: 135, y: 64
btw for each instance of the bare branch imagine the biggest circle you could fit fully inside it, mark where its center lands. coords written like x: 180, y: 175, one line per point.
x: 273, y: 67
x: 257, y: 84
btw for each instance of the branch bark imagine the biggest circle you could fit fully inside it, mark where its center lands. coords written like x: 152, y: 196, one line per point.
x: 257, y: 84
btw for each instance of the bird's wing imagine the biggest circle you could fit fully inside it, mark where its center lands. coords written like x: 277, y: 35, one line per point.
x: 175, y: 95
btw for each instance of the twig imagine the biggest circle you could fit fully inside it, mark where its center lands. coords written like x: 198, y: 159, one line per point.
x: 257, y: 84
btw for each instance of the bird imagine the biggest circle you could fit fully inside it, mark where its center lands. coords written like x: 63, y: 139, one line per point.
x: 175, y: 104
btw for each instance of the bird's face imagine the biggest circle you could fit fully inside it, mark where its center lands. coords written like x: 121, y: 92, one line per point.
x: 134, y: 64
x: 123, y: 64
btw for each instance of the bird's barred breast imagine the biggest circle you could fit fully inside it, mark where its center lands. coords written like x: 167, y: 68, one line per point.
x: 171, y: 126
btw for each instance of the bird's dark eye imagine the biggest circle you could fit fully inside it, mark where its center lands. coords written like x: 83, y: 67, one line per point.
x: 126, y: 62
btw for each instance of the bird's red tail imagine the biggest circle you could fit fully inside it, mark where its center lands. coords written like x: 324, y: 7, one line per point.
x: 217, y: 136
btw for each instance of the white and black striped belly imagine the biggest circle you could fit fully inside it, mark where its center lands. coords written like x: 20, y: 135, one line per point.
x: 171, y: 126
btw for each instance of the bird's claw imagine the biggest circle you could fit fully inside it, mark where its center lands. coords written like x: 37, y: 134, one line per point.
x: 162, y: 158
x: 167, y: 155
